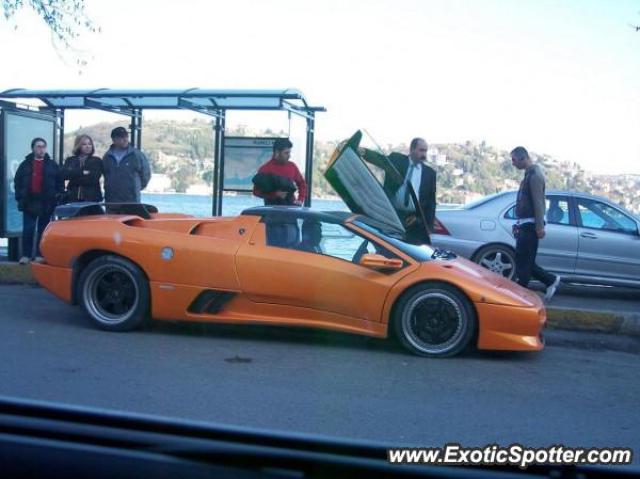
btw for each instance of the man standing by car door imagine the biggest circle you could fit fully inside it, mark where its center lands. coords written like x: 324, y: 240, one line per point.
x: 409, y: 170
x: 125, y: 168
x: 529, y: 227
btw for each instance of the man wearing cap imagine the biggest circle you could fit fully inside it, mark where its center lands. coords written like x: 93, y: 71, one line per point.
x: 126, y: 170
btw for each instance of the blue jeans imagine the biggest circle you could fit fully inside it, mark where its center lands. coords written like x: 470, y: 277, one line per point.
x: 29, y: 223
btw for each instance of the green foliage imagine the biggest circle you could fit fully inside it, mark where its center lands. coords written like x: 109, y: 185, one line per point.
x: 184, y: 151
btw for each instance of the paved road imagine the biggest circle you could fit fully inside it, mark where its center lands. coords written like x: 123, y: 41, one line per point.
x: 316, y: 382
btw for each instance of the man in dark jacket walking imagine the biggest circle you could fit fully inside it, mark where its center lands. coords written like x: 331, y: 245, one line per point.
x: 37, y: 185
x: 125, y: 168
x: 529, y: 227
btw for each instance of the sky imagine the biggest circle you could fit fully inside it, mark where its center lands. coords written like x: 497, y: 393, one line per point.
x: 558, y: 77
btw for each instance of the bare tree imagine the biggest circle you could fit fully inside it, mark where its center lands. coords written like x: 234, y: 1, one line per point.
x: 65, y: 18
x: 635, y: 27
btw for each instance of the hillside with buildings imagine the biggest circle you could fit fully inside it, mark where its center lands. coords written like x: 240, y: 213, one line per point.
x: 181, y: 156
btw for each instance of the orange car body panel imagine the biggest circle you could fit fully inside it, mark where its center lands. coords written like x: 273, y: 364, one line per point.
x: 55, y: 279
x: 278, y: 286
x: 274, y: 275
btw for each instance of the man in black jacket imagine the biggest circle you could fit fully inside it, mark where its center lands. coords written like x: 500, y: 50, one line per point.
x: 410, y: 173
x: 38, y: 185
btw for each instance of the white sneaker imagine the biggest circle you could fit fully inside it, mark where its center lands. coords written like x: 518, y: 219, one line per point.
x: 38, y: 259
x: 551, y: 290
x: 24, y: 260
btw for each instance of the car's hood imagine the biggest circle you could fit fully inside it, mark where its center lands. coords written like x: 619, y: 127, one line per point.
x: 491, y: 287
x: 349, y: 176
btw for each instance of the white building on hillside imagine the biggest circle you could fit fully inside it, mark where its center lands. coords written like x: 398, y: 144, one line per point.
x: 159, y: 183
x: 200, y: 189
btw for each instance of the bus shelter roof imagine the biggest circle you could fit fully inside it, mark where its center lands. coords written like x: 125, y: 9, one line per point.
x: 197, y: 99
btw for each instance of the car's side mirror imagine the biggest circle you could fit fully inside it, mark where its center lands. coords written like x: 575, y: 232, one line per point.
x: 379, y: 262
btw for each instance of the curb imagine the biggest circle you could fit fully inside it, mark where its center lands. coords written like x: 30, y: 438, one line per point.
x: 14, y: 273
x: 571, y: 319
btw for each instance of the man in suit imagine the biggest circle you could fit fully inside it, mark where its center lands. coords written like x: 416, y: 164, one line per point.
x: 408, y: 177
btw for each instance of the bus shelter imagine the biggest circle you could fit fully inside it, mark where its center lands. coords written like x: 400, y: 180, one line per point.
x: 25, y: 114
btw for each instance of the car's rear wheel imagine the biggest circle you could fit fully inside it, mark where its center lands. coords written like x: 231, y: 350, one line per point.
x: 434, y: 319
x: 115, y: 293
x: 498, y: 259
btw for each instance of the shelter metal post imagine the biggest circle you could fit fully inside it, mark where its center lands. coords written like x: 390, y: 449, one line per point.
x: 132, y: 129
x: 139, y: 130
x: 13, y: 248
x: 60, y: 135
x: 135, y: 127
x: 308, y: 169
x: 218, y: 158
x: 221, y: 157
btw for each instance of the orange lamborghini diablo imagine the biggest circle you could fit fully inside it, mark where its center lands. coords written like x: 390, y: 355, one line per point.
x: 293, y: 266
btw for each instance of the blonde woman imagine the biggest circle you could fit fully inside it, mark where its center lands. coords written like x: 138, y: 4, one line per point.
x: 83, y: 171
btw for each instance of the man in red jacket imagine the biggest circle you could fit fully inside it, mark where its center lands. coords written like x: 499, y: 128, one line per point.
x: 276, y: 178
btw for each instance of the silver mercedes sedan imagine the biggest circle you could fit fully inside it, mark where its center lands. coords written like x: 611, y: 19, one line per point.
x: 588, y: 238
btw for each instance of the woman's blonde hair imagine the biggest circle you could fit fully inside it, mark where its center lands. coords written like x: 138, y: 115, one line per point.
x: 76, y: 144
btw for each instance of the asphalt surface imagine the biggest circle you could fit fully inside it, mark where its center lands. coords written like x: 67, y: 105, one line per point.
x: 582, y: 390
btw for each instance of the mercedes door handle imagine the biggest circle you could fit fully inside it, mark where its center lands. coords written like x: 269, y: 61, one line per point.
x: 588, y: 236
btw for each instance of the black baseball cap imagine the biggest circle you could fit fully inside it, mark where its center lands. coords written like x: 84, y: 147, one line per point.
x: 119, y: 132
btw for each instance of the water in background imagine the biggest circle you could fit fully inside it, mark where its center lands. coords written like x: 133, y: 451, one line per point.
x: 199, y: 205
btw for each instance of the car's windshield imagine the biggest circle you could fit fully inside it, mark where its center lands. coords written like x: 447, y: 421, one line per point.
x: 418, y: 252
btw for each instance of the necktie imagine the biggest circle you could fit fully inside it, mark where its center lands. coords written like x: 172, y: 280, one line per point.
x: 407, y: 194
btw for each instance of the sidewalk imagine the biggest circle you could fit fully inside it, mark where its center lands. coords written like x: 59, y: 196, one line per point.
x: 573, y: 308
x: 593, y: 308
x: 13, y: 273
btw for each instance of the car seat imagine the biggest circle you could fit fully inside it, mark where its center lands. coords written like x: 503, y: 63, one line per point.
x: 311, y: 237
x: 555, y: 214
x: 283, y: 235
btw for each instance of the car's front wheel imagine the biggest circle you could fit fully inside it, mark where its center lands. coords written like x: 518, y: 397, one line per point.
x: 115, y: 293
x: 434, y: 319
x: 498, y: 259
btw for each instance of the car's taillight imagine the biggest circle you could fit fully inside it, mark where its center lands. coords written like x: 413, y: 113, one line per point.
x: 439, y: 229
